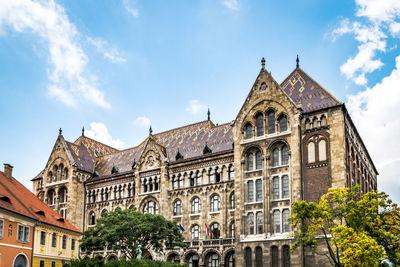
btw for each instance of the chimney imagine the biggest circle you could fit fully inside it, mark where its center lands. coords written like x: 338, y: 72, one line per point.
x: 8, y: 170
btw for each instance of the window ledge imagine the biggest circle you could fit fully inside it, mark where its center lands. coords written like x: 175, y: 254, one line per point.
x: 214, y: 212
x: 257, y: 170
x: 254, y: 202
x: 280, y: 199
x: 142, y: 194
x: 232, y: 210
x: 194, y: 214
x: 280, y: 166
x: 177, y: 216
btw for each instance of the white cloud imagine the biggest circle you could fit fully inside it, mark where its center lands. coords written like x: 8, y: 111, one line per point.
x: 194, y: 107
x: 142, y: 122
x: 375, y: 110
x: 99, y: 132
x: 231, y: 4
x: 128, y: 6
x: 109, y: 52
x: 69, y: 78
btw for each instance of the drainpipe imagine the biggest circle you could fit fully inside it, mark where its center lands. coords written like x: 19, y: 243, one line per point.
x: 302, y: 183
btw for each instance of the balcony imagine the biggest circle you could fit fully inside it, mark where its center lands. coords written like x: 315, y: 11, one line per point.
x: 211, y: 242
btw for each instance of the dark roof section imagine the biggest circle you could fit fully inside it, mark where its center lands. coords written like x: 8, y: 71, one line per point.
x: 304, y: 91
x: 24, y: 202
x: 38, y: 176
x: 85, y: 151
x: 190, y: 140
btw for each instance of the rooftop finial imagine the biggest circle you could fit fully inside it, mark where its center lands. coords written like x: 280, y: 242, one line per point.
x: 60, y: 131
x: 208, y: 114
x: 150, y: 131
x: 297, y: 62
x: 263, y: 63
x: 83, y: 131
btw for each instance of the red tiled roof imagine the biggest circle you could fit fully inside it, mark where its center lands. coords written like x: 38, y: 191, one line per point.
x: 303, y: 90
x: 24, y: 202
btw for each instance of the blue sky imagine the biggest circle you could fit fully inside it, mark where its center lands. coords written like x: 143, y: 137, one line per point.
x: 117, y: 66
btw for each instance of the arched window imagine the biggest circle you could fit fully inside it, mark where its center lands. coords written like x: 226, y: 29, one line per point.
x: 322, y: 150
x: 271, y: 121
x: 64, y: 242
x: 61, y: 170
x: 308, y: 124
x: 231, y: 171
x: 323, y: 121
x: 311, y: 152
x: 150, y: 207
x: 55, y: 170
x: 92, y: 218
x: 214, y: 231
x: 198, y: 178
x: 65, y: 174
x: 259, y: 220
x: 196, y: 205
x: 50, y: 177
x: 211, y: 176
x: 282, y: 123
x: 51, y: 197
x: 20, y: 261
x: 232, y: 200
x: 232, y: 228
x: 217, y: 175
x: 177, y: 207
x: 195, y: 232
x: 247, y: 256
x: 194, y: 260
x: 285, y: 155
x: 249, y: 131
x: 250, y: 161
x: 275, y: 187
x: 258, y: 160
x: 230, y: 259
x: 180, y: 179
x: 250, y: 191
x: 259, y: 259
x: 215, y: 203
x: 250, y: 218
x: 277, y: 221
x: 285, y: 186
x: 258, y: 190
x: 260, y: 125
x: 286, y: 256
x: 63, y: 195
x: 286, y: 223
x: 174, y: 182
x: 275, y: 256
x: 275, y: 157
x: 213, y: 260
x: 191, y: 179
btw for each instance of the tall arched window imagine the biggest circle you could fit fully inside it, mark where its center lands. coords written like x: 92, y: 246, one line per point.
x: 247, y: 255
x: 286, y: 223
x: 275, y: 256
x: 65, y: 174
x: 211, y: 176
x: 258, y: 190
x: 150, y: 207
x: 259, y: 259
x: 92, y: 218
x: 286, y: 256
x: 259, y: 220
x: 51, y: 197
x: 285, y: 186
x: 174, y: 182
x: 231, y: 171
x: 249, y: 131
x: 323, y: 121
x: 277, y: 221
x: 275, y: 157
x: 214, y: 231
x: 322, y: 150
x: 213, y: 260
x: 250, y: 218
x: 198, y: 178
x: 215, y: 203
x: 20, y: 261
x: 196, y: 205
x: 260, y: 125
x: 177, y: 208
x: 271, y: 121
x: 285, y: 155
x: 311, y: 152
x: 232, y: 200
x: 232, y: 230
x: 63, y: 195
x: 250, y: 162
x: 250, y: 191
x: 195, y: 231
x: 282, y: 123
x: 258, y: 160
x: 180, y: 181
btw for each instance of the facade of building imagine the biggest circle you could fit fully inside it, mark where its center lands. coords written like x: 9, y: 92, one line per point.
x: 32, y: 233
x: 231, y: 185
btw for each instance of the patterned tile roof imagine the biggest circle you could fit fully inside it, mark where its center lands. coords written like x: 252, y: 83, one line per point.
x: 303, y: 90
x: 190, y: 140
x: 26, y: 203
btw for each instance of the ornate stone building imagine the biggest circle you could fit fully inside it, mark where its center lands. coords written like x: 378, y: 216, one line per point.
x: 231, y: 185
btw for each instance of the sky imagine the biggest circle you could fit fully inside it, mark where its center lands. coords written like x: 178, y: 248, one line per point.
x: 117, y: 67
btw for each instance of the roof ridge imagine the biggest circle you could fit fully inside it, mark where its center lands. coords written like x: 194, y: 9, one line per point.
x: 177, y: 128
x: 94, y: 141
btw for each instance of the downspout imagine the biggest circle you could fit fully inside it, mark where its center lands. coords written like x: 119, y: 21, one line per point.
x: 301, y: 182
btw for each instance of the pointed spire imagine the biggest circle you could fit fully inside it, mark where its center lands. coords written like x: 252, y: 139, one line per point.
x: 208, y: 114
x: 60, y: 131
x: 83, y: 131
x: 150, y: 131
x: 297, y: 62
x: 263, y: 63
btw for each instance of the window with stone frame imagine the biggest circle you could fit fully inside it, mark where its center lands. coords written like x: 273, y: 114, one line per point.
x: 250, y: 162
x: 260, y: 124
x: 196, y: 205
x: 177, y: 207
x: 250, y: 223
x: 232, y: 200
x: 198, y: 177
x: 247, y: 257
x: 285, y: 221
x: 259, y: 221
x: 215, y: 203
x: 150, y: 207
x: 92, y: 218
x: 271, y: 121
x: 286, y: 256
x: 64, y: 242
x: 285, y: 186
x: 211, y: 176
x: 232, y: 229
x: 259, y: 257
x: 248, y: 131
x: 54, y: 240
x: 250, y: 191
x: 258, y: 190
x: 274, y: 256
x: 231, y: 172
x: 214, y: 230
x: 283, y: 123
x: 311, y: 152
x: 180, y: 181
x: 258, y: 160
x: 277, y: 221
x: 174, y: 182
x: 275, y: 187
x: 195, y: 232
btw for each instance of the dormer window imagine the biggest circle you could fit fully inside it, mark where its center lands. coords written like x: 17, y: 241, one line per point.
x: 40, y: 212
x: 114, y: 169
x: 206, y: 150
x: 178, y: 155
x: 5, y: 199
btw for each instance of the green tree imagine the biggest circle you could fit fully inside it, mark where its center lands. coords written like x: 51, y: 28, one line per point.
x: 124, y: 230
x: 357, y: 229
